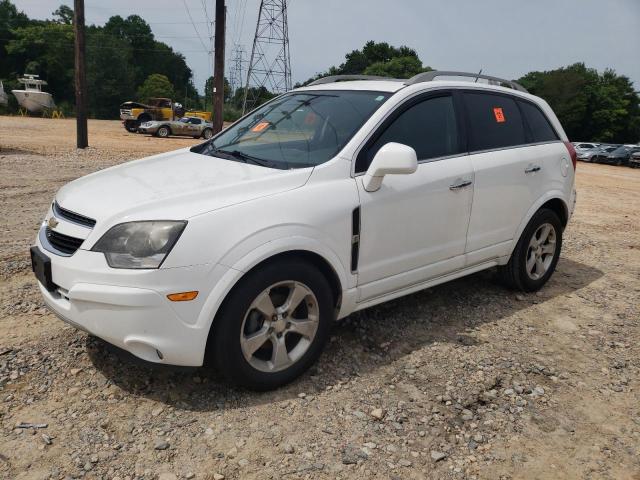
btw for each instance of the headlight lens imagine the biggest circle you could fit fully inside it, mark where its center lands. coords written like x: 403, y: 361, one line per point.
x: 139, y: 244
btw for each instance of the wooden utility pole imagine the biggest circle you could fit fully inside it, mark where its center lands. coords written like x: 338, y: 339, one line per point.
x: 80, y: 75
x: 218, y: 66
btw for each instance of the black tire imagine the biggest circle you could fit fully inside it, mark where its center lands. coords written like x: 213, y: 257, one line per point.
x: 131, y: 126
x: 163, y: 131
x: 514, y: 274
x: 224, y: 346
x: 207, y: 133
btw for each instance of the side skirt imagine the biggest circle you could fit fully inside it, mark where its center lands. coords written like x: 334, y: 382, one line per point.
x: 421, y: 286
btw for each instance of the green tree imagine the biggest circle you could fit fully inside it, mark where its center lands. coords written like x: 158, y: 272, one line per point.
x: 156, y: 85
x: 110, y: 78
x: 397, y: 67
x: 10, y: 19
x: 591, y: 106
x: 378, y: 59
x: 64, y: 14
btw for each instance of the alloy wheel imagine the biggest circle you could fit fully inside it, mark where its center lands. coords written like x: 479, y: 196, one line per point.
x: 279, y: 326
x: 541, y: 251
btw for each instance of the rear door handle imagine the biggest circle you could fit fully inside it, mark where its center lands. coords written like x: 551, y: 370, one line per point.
x: 532, y: 168
x: 459, y: 185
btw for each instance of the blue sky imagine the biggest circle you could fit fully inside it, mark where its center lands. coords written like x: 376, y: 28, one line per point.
x: 506, y: 38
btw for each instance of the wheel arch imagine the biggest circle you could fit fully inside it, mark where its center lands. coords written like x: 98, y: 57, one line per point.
x: 554, y: 201
x: 324, y: 265
x: 144, y: 116
x: 559, y: 207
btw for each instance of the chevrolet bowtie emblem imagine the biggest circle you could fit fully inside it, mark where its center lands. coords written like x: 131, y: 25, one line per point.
x: 53, y: 222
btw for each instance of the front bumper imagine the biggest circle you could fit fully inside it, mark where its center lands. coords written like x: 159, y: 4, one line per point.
x: 149, y: 130
x: 130, y: 308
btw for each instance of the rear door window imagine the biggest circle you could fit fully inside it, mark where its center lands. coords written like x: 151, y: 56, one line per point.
x: 494, y: 122
x: 539, y: 127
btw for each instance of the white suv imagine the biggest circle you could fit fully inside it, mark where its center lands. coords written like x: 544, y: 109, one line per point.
x: 327, y: 200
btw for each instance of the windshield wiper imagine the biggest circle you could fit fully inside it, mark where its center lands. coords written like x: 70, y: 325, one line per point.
x: 237, y: 154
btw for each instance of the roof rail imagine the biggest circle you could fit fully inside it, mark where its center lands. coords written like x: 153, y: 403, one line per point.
x: 344, y: 78
x: 430, y: 76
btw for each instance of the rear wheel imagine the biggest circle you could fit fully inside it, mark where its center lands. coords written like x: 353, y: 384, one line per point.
x: 207, y: 134
x: 273, y: 325
x: 163, y: 131
x: 536, y: 255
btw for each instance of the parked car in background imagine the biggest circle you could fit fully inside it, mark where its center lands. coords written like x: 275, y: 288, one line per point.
x: 619, y: 156
x: 589, y: 155
x: 187, y: 126
x: 634, y: 160
x: 583, y: 146
x: 586, y: 154
x: 134, y: 114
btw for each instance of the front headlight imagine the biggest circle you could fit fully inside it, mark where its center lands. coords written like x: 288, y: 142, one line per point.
x: 139, y: 244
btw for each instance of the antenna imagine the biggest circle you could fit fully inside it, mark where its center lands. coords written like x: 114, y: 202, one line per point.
x: 270, y: 63
x: 478, y: 76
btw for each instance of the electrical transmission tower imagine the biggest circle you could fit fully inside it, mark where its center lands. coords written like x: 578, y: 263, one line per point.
x: 270, y: 65
x: 237, y: 67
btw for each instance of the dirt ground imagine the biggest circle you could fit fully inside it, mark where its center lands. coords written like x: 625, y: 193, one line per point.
x: 466, y: 380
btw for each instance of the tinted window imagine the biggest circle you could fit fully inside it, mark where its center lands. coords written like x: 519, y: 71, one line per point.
x: 429, y: 127
x: 494, y: 122
x: 539, y: 127
x: 196, y: 121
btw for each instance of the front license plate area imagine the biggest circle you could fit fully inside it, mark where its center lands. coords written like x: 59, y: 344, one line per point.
x: 41, y: 266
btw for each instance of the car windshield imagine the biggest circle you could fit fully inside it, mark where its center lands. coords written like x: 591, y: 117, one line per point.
x: 296, y: 130
x: 184, y: 120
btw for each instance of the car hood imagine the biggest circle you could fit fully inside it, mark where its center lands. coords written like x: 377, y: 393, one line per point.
x: 173, y: 186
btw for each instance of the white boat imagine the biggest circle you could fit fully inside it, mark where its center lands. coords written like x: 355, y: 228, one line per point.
x: 32, y: 97
x: 4, y: 98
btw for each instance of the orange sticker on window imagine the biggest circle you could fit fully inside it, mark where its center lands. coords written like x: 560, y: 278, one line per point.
x: 260, y: 127
x: 310, y: 118
x: 499, y: 114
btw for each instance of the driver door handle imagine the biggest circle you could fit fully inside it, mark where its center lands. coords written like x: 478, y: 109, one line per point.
x: 461, y: 184
x: 532, y: 168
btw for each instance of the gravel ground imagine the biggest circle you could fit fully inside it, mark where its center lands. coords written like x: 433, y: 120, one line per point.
x: 465, y: 380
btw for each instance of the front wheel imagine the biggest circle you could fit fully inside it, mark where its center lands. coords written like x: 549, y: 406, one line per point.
x: 536, y: 255
x: 273, y: 326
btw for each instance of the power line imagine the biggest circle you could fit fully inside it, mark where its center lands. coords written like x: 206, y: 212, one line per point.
x: 194, y: 25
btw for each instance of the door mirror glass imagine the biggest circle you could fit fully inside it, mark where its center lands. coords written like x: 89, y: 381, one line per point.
x: 392, y: 159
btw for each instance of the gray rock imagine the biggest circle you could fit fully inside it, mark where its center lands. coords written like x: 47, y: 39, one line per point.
x: 351, y: 454
x: 436, y: 456
x: 161, y: 444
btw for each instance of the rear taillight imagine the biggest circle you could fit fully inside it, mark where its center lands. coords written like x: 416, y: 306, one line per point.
x: 572, y: 153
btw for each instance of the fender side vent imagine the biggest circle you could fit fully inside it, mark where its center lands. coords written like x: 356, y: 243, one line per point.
x: 355, y: 239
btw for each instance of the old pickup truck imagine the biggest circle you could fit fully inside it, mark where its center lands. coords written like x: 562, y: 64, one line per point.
x: 133, y: 114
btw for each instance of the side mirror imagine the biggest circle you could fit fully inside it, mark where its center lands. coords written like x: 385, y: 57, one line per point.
x: 392, y: 158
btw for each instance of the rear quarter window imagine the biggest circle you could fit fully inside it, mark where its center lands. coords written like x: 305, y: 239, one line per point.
x: 540, y: 128
x: 494, y: 121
